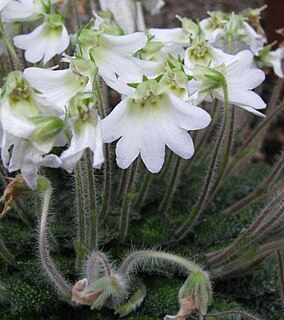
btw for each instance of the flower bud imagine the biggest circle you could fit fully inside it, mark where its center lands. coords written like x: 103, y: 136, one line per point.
x: 197, y: 291
x: 46, y: 128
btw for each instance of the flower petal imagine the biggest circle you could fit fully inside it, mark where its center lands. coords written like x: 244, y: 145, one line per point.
x: 187, y: 116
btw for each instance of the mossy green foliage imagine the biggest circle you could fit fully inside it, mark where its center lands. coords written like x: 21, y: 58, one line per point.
x: 28, y: 294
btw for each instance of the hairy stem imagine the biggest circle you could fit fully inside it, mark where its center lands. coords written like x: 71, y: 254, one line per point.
x: 106, y: 195
x: 209, y: 179
x: 148, y: 177
x: 242, y: 152
x: 92, y: 205
x: 126, y: 202
x: 236, y: 314
x: 134, y: 260
x: 82, y: 217
x: 54, y: 275
x: 171, y: 187
x: 226, y: 156
x: 281, y: 274
x: 219, y: 257
x: 260, y: 190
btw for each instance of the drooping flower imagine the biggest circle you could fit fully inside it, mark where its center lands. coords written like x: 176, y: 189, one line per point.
x: 112, y: 51
x: 59, y: 86
x: 45, y: 41
x: 26, y: 10
x: 271, y: 58
x: 177, y: 37
x: 231, y: 32
x: 149, y: 120
x: 241, y: 78
x: 28, y: 129
x: 85, y: 125
x: 202, y: 53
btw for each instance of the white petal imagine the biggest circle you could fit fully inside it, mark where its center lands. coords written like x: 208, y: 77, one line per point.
x: 152, y: 148
x: 124, y: 45
x: 187, y: 116
x: 180, y: 142
x: 242, y: 61
x: 87, y: 137
x: 250, y: 79
x: 56, y: 46
x: 174, y: 36
x: 246, y: 98
x: 22, y: 10
x: 113, y: 126
x: 15, y: 124
x: 57, y: 86
x: 276, y: 61
x: 127, y: 150
x: 98, y: 157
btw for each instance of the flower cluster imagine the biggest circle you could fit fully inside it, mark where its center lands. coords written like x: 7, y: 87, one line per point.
x: 162, y: 76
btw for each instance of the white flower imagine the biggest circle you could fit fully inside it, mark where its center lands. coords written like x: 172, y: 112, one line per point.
x: 28, y: 129
x: 29, y: 160
x: 86, y: 132
x: 203, y: 53
x: 112, y: 53
x: 3, y: 3
x: 45, y: 41
x: 59, y: 86
x: 177, y: 37
x: 170, y: 37
x: 240, y: 76
x: 25, y: 10
x: 148, y: 121
x: 231, y: 33
x: 267, y: 58
x: 254, y: 40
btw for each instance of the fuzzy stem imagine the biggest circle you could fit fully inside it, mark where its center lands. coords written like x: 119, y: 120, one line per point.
x: 15, y: 61
x: 232, y: 313
x: 226, y: 155
x: 240, y: 266
x: 46, y: 261
x: 260, y: 190
x: 281, y: 274
x: 82, y: 232
x: 122, y: 180
x: 106, y: 195
x: 167, y: 166
x: 206, y: 189
x: 92, y: 207
x: 203, y: 138
x: 126, y: 202
x: 171, y: 187
x: 224, y: 254
x: 106, y: 205
x: 148, y: 177
x: 252, y: 137
x: 131, y: 262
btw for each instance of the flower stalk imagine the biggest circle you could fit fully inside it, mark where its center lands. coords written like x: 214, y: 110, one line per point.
x: 56, y: 278
x: 206, y: 189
